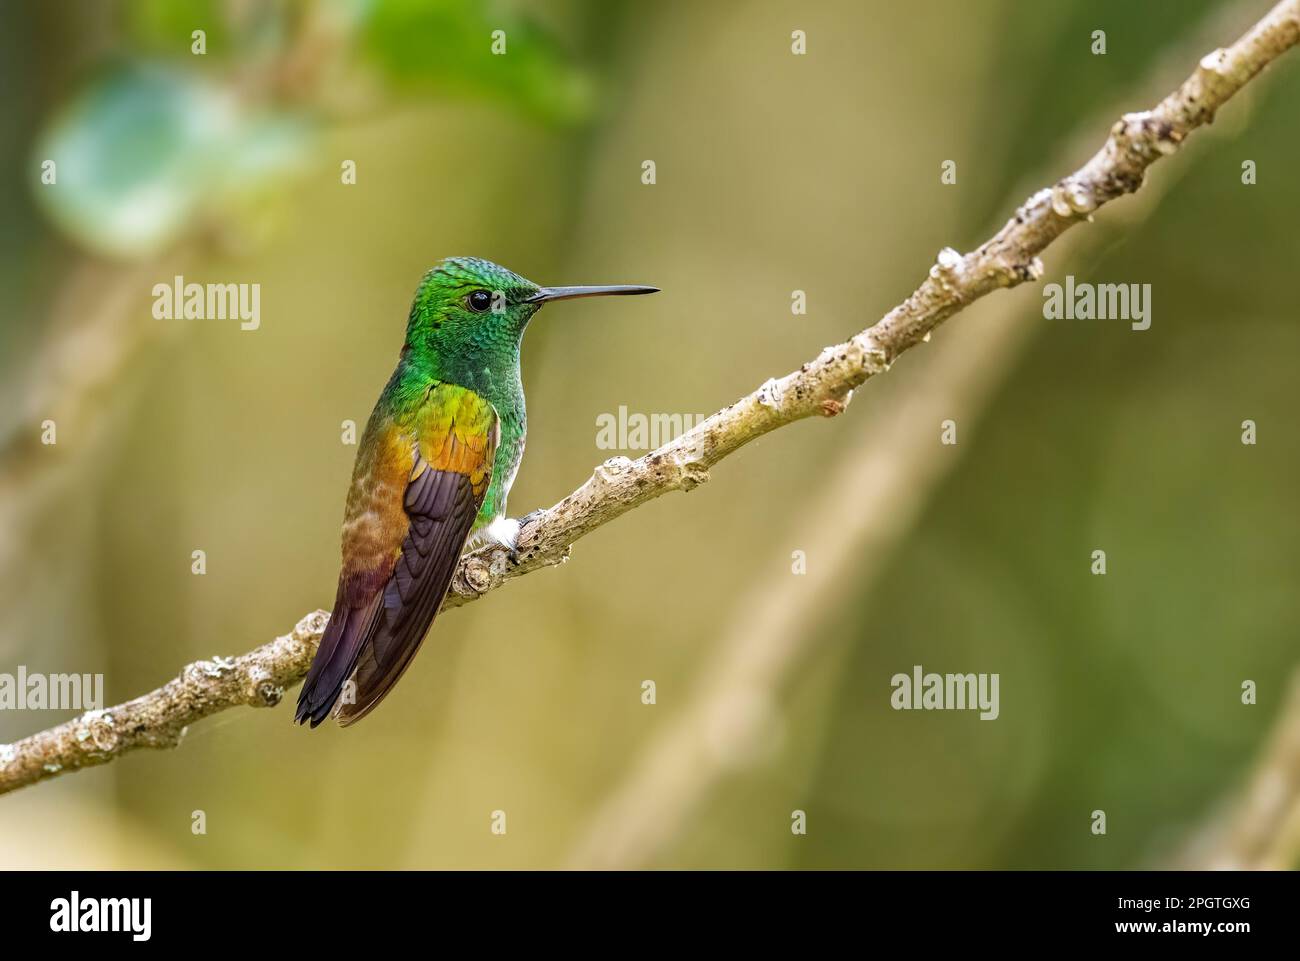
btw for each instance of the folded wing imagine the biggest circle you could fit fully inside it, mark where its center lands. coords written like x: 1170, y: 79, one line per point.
x: 416, y: 490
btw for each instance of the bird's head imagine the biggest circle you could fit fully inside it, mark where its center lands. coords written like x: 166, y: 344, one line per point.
x: 471, y: 309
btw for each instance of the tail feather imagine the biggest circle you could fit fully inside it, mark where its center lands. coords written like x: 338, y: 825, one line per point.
x: 340, y: 646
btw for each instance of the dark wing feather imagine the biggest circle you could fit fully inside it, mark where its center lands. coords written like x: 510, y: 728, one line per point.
x: 442, y: 506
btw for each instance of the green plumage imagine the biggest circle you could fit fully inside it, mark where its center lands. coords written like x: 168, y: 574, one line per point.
x: 475, y: 350
x: 434, y: 466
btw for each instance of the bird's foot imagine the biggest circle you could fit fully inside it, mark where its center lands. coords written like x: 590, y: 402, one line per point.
x: 505, y: 531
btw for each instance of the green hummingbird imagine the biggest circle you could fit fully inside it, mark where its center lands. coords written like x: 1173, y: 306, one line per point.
x: 433, y: 471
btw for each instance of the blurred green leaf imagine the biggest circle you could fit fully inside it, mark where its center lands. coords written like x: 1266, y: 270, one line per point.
x: 448, y: 44
x: 146, y: 150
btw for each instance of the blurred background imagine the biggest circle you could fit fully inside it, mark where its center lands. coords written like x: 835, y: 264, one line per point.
x: 775, y: 172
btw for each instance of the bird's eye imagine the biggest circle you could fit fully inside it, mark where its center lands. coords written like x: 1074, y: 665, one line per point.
x: 479, y: 301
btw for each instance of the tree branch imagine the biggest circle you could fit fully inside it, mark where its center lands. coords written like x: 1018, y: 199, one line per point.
x: 822, y: 386
x: 717, y: 730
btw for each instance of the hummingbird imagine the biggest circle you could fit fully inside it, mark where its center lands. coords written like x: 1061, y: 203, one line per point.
x: 433, y: 471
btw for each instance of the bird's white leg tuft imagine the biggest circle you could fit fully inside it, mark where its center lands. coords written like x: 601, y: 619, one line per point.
x: 505, y: 531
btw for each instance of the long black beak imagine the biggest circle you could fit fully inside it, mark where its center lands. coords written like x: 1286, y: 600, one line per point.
x: 547, y: 294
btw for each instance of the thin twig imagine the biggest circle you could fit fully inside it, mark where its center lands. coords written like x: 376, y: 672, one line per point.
x: 822, y: 386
